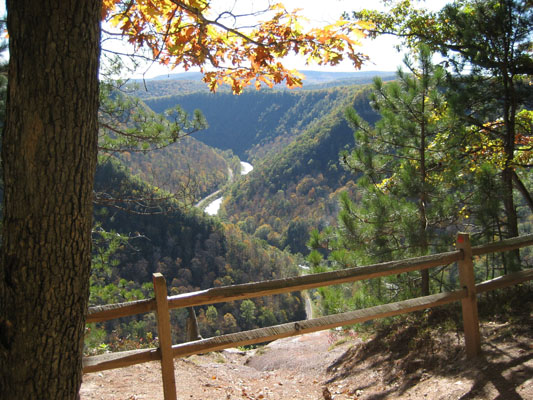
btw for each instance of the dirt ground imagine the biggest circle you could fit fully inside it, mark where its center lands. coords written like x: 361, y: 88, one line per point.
x: 336, y: 365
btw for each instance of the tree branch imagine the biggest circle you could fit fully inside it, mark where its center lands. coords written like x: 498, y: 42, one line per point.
x: 523, y: 190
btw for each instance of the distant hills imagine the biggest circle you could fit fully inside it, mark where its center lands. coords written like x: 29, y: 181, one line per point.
x: 256, y: 122
x: 182, y: 76
x: 188, y: 82
x: 311, y: 77
x: 292, y: 137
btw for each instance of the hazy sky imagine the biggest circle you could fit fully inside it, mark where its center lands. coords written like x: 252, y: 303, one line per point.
x: 381, y: 51
x: 383, y: 55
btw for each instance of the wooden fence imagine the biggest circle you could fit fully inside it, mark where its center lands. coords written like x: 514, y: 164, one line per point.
x: 161, y: 304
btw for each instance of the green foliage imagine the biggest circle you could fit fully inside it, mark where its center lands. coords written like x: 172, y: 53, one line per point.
x: 248, y: 311
x: 430, y: 166
x: 493, y: 35
x: 406, y: 192
x: 127, y: 124
x: 408, y: 170
x: 192, y: 251
x: 493, y: 39
x: 266, y: 317
x: 486, y: 46
x: 291, y: 190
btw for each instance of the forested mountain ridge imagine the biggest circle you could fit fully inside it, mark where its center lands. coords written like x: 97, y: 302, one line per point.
x: 293, y: 138
x: 192, y: 250
x: 298, y: 185
x: 294, y: 180
x: 256, y: 122
x: 187, y: 168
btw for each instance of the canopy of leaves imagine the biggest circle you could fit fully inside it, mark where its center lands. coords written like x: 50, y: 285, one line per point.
x: 492, y: 34
x: 487, y: 49
x: 191, y: 34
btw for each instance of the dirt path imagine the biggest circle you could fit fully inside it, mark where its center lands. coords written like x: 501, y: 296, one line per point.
x: 292, y: 368
x: 296, y: 368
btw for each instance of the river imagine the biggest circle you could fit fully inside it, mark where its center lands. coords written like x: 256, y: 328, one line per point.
x: 214, y: 206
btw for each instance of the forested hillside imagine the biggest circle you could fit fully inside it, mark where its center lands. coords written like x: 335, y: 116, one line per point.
x: 188, y: 168
x: 193, y: 251
x: 292, y: 190
x: 258, y: 122
x: 316, y: 190
x: 250, y: 124
x: 136, y: 235
x: 293, y: 138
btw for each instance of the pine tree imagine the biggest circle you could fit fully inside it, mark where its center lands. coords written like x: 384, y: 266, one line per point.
x: 407, y: 165
x: 488, y: 46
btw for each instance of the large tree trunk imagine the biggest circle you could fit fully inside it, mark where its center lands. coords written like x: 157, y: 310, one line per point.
x: 49, y: 156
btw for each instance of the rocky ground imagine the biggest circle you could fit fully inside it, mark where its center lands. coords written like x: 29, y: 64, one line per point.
x: 399, y: 362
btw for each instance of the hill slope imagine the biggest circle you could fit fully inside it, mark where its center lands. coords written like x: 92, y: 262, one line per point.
x: 193, y: 252
x: 293, y: 138
x: 188, y: 168
x: 254, y: 123
x: 297, y: 185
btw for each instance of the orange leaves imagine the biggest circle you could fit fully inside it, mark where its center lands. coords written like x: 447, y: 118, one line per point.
x: 186, y: 33
x: 107, y: 7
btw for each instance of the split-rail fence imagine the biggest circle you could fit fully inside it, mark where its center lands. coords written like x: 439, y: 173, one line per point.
x: 161, y: 304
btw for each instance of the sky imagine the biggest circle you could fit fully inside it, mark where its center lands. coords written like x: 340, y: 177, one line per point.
x: 381, y: 51
x: 383, y: 56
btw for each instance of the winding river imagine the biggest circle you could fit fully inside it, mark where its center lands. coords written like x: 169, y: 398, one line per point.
x: 214, y: 206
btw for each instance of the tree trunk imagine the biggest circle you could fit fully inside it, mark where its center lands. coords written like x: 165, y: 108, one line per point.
x: 513, y: 257
x: 49, y: 157
x: 509, y: 115
x: 423, y: 197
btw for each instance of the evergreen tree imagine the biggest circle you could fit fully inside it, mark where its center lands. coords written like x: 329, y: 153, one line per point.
x: 495, y: 36
x: 488, y: 46
x: 248, y: 311
x: 405, y: 198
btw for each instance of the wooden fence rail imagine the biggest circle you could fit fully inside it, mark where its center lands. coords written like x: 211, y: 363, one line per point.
x: 162, y: 303
x: 276, y: 286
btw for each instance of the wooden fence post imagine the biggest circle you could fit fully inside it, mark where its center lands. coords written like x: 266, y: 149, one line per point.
x: 165, y: 337
x: 469, y: 304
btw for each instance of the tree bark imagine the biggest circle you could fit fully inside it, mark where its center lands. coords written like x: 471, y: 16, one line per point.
x: 49, y: 150
x: 512, y: 257
x: 509, y: 115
